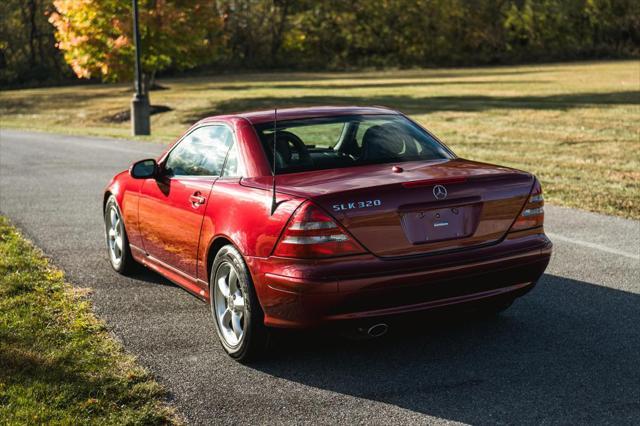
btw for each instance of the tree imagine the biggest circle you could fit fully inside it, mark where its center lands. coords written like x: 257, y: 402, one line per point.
x: 96, y: 36
x: 255, y: 29
x: 27, y: 50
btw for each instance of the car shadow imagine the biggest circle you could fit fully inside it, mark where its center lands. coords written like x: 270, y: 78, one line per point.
x: 568, y: 352
x: 148, y: 276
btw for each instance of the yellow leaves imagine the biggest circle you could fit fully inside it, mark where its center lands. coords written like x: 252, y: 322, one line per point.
x: 78, y: 68
x: 96, y: 38
x: 54, y: 17
x: 77, y: 40
x: 121, y: 41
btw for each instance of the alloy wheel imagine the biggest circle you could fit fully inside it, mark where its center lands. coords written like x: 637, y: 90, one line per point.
x: 229, y: 304
x: 115, y: 232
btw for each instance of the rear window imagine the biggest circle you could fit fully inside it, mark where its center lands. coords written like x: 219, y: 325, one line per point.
x: 347, y: 141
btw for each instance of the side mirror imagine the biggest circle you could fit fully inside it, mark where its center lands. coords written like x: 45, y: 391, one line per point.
x: 144, y: 169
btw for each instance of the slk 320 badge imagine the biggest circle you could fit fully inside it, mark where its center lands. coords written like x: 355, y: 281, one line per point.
x: 356, y: 205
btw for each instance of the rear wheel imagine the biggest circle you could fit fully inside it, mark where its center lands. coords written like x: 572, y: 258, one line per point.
x: 116, y: 237
x: 234, y: 306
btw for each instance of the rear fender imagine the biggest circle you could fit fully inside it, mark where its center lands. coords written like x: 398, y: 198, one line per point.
x: 242, y: 216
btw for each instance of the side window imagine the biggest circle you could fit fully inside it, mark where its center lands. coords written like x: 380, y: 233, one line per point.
x: 231, y: 165
x: 201, y: 153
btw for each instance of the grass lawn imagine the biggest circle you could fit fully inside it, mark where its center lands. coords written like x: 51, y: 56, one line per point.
x: 57, y: 363
x: 575, y: 125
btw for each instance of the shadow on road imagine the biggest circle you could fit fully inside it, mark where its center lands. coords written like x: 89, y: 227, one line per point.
x: 567, y: 352
x: 151, y: 277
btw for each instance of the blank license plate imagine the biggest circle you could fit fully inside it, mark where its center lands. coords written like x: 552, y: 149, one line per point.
x: 438, y: 224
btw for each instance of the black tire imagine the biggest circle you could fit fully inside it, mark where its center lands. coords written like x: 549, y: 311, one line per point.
x: 255, y: 336
x: 125, y: 265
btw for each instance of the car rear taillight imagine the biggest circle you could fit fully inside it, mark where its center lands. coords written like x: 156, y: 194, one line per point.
x: 532, y: 215
x: 312, y: 233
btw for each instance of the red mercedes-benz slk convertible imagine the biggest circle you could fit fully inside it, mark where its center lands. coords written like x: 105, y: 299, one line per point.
x: 314, y: 216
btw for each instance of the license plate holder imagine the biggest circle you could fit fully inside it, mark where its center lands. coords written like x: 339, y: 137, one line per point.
x: 440, y: 224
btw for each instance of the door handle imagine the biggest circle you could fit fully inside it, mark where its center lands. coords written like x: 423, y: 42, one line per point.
x: 196, y: 199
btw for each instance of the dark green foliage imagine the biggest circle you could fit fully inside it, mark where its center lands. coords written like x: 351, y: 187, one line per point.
x: 28, y: 53
x: 405, y: 33
x: 338, y: 34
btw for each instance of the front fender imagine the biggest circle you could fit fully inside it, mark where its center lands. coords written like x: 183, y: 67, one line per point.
x: 114, y: 187
x: 126, y: 190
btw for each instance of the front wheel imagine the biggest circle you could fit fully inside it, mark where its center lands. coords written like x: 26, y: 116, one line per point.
x: 117, y: 241
x: 234, y: 306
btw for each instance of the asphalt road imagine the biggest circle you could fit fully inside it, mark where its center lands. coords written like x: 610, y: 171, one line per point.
x: 569, y: 352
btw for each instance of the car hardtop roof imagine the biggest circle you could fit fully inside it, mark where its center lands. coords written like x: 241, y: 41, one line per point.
x: 258, y: 117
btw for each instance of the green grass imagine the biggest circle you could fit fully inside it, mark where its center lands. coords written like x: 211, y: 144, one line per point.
x: 575, y: 125
x: 58, y: 364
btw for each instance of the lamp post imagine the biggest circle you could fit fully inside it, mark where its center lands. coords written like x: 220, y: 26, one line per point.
x: 140, y: 123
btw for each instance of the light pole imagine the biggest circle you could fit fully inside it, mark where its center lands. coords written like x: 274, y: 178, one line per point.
x: 140, y: 123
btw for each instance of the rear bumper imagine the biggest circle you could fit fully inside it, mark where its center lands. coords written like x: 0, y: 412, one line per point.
x: 300, y: 294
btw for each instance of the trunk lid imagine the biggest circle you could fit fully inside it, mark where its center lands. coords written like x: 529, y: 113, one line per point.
x: 427, y: 207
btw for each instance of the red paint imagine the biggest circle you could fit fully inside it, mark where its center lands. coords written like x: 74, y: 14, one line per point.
x: 431, y: 182
x: 173, y: 225
x: 170, y: 222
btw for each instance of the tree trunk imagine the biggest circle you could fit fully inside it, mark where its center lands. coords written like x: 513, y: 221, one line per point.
x: 145, y: 83
x: 148, y: 81
x: 33, y: 30
x: 278, y: 30
x: 152, y: 80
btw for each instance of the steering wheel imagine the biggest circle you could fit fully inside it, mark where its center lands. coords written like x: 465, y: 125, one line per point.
x: 285, y: 141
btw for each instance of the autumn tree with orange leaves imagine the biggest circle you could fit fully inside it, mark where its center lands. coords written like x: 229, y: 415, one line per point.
x: 96, y: 36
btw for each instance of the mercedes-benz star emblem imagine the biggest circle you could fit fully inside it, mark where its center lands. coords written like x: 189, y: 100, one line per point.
x: 440, y: 192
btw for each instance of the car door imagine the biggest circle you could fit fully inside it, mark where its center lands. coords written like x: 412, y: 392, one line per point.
x: 172, y: 206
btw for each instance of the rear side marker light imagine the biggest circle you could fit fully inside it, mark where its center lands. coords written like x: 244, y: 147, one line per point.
x: 532, y: 215
x: 312, y: 225
x: 533, y: 212
x: 315, y: 240
x: 312, y: 233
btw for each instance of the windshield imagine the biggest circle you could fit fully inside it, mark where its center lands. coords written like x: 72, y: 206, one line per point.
x: 346, y: 141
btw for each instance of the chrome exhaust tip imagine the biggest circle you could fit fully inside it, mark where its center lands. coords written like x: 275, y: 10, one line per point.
x: 378, y: 330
